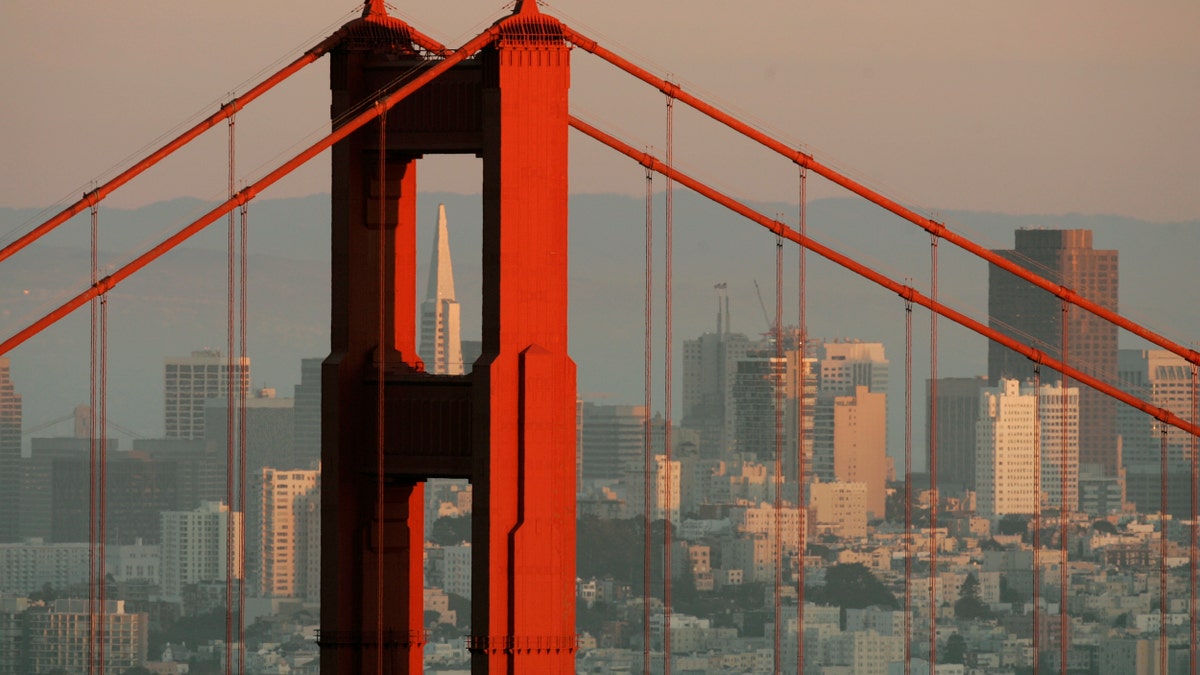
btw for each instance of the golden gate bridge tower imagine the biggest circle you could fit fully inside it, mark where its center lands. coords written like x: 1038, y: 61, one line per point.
x: 508, y: 426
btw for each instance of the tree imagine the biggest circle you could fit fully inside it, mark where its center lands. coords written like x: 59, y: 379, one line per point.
x: 853, y: 586
x: 968, y: 605
x: 1104, y: 526
x: 1012, y: 524
x: 450, y: 530
x: 955, y: 650
x: 138, y: 670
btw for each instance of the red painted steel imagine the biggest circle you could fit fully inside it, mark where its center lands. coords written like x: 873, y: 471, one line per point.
x: 109, y: 282
x: 928, y: 224
x: 903, y: 290
x: 227, y: 110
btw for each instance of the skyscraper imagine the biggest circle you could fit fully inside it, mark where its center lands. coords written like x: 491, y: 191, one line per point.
x: 276, y: 531
x: 441, y: 345
x: 957, y: 412
x: 1015, y: 425
x: 306, y: 419
x: 190, y: 381
x: 1034, y: 316
x: 193, y: 547
x: 1164, y: 380
x: 10, y: 455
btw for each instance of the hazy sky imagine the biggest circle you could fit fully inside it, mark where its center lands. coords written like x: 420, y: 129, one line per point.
x: 1020, y: 107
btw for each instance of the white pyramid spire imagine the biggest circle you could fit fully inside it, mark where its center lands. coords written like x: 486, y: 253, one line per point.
x: 441, y: 345
x: 441, y: 271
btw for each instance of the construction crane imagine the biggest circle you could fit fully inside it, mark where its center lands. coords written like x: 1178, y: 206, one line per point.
x: 82, y: 415
x: 763, y: 305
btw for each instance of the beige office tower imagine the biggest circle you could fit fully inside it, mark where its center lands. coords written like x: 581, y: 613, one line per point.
x: 441, y: 344
x: 284, y: 496
x: 190, y: 381
x: 1015, y: 426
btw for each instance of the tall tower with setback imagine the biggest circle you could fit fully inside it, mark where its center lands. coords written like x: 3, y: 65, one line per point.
x: 1035, y: 317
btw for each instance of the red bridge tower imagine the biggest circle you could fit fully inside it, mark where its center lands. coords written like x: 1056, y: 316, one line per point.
x: 509, y: 425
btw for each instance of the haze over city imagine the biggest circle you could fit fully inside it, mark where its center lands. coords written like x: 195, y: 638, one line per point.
x: 1066, y: 133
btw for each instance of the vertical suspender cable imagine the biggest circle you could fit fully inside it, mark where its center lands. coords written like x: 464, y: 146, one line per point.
x: 1194, y: 547
x: 801, y: 415
x: 647, y: 430
x: 101, y: 417
x: 778, y: 374
x: 231, y: 539
x: 1064, y: 514
x: 933, y: 454
x: 1037, y: 515
x: 908, y: 487
x: 242, y: 385
x: 1162, y: 553
x: 668, y: 479
x: 381, y: 354
x: 93, y: 543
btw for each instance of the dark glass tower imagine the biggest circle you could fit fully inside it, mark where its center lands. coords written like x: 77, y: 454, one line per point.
x: 1034, y: 316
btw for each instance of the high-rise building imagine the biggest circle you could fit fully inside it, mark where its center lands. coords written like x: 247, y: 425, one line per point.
x: 1016, y: 425
x: 441, y: 344
x: 138, y: 487
x: 193, y: 547
x: 709, y: 372
x: 190, y: 381
x: 844, y: 365
x: 611, y: 437
x: 10, y: 456
x: 306, y: 414
x: 275, y: 527
x: 55, y: 637
x: 1164, y: 380
x: 850, y: 443
x: 957, y: 412
x: 269, y: 426
x: 1035, y: 317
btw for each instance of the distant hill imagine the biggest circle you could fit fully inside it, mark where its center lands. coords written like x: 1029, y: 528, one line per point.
x: 179, y: 303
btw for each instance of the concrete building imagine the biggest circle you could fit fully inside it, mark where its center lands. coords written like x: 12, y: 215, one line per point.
x: 839, y: 508
x: 27, y: 566
x: 665, y: 491
x: 275, y: 568
x: 845, y: 365
x: 1030, y: 314
x: 709, y: 372
x: 188, y: 383
x: 456, y: 568
x: 10, y: 456
x: 306, y: 415
x: 850, y: 443
x: 1018, y: 430
x: 56, y: 635
x: 1164, y: 380
x: 441, y: 343
x: 611, y: 437
x: 269, y: 427
x: 957, y: 412
x: 194, y: 547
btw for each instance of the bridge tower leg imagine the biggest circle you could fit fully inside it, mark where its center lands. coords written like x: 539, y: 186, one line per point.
x: 524, y: 514
x: 508, y: 426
